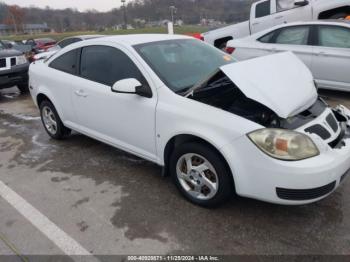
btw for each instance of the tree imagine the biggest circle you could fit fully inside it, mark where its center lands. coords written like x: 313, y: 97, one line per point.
x: 15, y: 17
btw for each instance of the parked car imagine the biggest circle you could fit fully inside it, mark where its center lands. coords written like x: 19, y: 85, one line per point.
x: 19, y: 46
x: 41, y: 44
x: 216, y: 126
x: 62, y: 44
x: 323, y: 46
x: 265, y: 14
x: 13, y: 68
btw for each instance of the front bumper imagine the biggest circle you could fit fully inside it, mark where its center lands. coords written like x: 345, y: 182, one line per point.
x: 14, y: 76
x: 261, y: 177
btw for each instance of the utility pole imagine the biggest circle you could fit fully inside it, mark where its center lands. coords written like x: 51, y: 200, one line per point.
x: 173, y: 10
x: 125, y: 26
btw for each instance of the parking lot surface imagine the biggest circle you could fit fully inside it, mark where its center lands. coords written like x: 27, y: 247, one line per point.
x: 103, y: 201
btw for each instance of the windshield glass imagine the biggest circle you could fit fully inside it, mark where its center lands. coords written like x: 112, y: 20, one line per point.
x: 2, y: 46
x: 182, y: 63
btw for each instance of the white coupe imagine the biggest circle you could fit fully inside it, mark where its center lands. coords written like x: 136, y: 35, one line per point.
x: 218, y: 127
x: 323, y: 46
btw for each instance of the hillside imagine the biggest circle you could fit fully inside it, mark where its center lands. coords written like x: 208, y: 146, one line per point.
x: 190, y: 11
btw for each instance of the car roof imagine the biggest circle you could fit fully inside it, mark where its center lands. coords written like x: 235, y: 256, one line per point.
x: 85, y: 37
x: 140, y: 38
x: 318, y: 22
x: 345, y: 23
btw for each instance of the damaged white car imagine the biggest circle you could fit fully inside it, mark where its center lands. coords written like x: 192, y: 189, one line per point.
x: 256, y: 128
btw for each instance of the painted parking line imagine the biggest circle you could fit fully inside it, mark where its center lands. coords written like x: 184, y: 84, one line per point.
x: 61, y: 239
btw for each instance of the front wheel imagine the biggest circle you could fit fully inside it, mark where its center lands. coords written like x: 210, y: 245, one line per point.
x: 201, y: 175
x: 52, y: 122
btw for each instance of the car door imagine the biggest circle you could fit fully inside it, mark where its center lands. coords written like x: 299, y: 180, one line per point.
x: 63, y: 70
x: 296, y: 39
x: 331, y: 60
x: 261, y: 16
x: 123, y: 120
x: 291, y: 11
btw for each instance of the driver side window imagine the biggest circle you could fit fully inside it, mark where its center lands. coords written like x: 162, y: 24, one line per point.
x: 107, y: 65
x: 263, y: 9
x: 283, y: 5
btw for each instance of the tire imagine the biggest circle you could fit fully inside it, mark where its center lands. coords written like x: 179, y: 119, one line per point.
x: 339, y: 16
x: 52, y: 122
x: 223, y: 46
x: 193, y: 184
x: 24, y: 88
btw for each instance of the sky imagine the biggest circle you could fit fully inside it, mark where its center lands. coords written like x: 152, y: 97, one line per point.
x: 81, y: 5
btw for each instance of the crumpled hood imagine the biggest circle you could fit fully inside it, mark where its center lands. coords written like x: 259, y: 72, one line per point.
x: 281, y: 82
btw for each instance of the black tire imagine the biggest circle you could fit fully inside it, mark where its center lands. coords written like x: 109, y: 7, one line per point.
x: 339, y: 16
x: 61, y: 131
x: 225, y: 180
x: 223, y: 46
x: 24, y: 88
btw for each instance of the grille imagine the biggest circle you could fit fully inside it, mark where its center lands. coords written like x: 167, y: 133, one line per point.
x: 2, y: 62
x: 320, y: 131
x: 13, y: 61
x: 332, y: 122
x: 305, y: 194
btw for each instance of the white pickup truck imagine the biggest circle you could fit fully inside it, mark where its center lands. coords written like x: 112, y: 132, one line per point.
x: 268, y: 13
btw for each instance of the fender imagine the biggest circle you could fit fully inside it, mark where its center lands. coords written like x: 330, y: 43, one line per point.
x: 45, y: 91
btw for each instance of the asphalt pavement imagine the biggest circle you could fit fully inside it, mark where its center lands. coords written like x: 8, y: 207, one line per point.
x: 79, y: 196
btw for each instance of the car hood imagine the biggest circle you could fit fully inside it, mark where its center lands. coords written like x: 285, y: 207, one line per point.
x: 9, y: 53
x: 281, y: 82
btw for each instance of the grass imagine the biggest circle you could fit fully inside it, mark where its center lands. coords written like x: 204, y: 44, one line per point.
x: 151, y: 30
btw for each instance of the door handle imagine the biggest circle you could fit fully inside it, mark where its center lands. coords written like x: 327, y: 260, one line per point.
x: 279, y: 17
x: 80, y: 93
x: 256, y: 23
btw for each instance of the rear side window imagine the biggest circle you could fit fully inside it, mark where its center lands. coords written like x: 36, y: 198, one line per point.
x: 107, y: 65
x: 67, y: 42
x: 263, y: 9
x: 267, y: 38
x: 67, y: 62
x: 332, y: 36
x: 297, y: 35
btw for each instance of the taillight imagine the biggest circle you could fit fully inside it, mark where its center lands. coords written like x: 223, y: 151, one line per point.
x: 230, y: 50
x: 201, y: 38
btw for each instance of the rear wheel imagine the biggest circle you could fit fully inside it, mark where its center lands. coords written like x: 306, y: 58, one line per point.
x: 223, y: 46
x: 24, y: 88
x: 201, y: 175
x: 339, y: 16
x: 52, y: 122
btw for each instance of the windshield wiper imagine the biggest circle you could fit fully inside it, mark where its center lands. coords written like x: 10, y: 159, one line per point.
x: 200, y: 84
x: 183, y: 90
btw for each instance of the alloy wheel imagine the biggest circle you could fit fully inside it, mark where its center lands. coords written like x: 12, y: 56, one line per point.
x: 197, y: 176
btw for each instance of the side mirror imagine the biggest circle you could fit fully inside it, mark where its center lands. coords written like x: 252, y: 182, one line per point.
x: 131, y: 86
x: 301, y: 3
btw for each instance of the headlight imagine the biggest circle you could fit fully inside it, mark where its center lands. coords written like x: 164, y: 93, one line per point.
x: 284, y: 144
x: 21, y: 60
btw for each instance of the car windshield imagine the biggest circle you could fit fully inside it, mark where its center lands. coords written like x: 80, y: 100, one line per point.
x: 2, y: 46
x: 182, y: 63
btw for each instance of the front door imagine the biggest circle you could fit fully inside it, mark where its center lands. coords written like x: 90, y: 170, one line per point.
x: 287, y: 11
x: 331, y: 60
x: 124, y: 120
